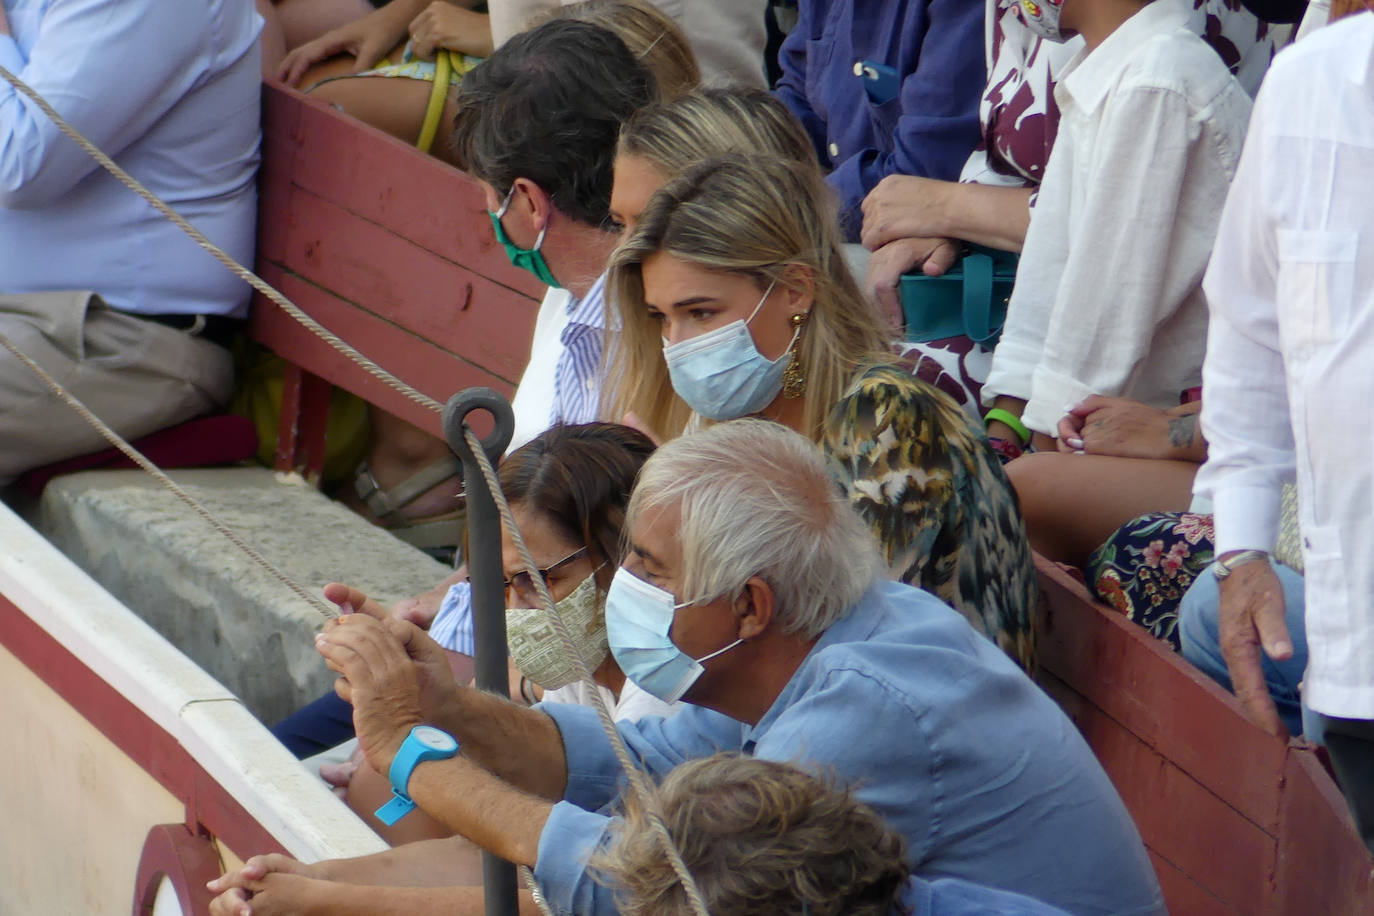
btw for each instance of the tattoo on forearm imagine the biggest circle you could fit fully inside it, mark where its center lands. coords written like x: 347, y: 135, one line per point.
x: 1182, y: 431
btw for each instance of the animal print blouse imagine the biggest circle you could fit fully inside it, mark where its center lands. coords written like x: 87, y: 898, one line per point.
x: 920, y: 471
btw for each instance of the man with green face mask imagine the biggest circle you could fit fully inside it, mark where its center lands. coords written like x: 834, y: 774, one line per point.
x: 537, y: 126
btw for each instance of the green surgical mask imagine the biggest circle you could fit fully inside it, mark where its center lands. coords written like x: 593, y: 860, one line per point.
x: 531, y: 259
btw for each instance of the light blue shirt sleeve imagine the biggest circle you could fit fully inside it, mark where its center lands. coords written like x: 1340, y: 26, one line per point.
x: 573, y: 830
x: 10, y: 58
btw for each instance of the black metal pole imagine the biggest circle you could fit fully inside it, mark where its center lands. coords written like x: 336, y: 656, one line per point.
x: 488, y: 594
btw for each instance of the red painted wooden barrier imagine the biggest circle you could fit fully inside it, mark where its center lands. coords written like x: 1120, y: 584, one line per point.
x: 1235, y: 821
x: 391, y: 250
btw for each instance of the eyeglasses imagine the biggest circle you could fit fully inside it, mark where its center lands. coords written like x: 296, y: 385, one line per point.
x: 522, y: 582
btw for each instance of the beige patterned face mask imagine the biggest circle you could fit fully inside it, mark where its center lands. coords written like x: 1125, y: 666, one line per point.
x: 538, y: 652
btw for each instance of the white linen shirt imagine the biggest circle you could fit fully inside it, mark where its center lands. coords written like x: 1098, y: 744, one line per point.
x: 1289, y: 376
x: 1108, y: 296
x: 170, y: 90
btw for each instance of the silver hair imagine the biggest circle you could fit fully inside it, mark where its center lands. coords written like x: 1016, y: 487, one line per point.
x: 756, y: 500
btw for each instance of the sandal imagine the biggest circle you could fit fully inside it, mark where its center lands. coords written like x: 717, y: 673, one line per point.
x: 431, y: 533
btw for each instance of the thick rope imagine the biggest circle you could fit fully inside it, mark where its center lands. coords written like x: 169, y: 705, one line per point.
x: 137, y: 458
x: 638, y: 783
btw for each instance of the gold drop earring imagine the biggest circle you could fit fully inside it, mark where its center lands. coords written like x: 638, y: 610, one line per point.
x: 794, y: 376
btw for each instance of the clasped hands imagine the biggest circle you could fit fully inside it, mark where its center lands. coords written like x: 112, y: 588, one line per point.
x: 392, y: 672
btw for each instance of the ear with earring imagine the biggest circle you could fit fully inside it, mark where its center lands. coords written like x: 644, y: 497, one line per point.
x: 794, y: 376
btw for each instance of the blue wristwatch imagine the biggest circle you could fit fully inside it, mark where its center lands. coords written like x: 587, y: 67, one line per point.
x: 423, y: 743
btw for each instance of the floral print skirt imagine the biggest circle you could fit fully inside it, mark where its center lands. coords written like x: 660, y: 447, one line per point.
x: 1146, y: 566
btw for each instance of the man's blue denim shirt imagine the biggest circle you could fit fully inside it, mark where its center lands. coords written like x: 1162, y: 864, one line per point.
x: 938, y: 731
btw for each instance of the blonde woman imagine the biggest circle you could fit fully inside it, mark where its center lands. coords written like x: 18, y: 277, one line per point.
x: 734, y: 300
x: 668, y: 137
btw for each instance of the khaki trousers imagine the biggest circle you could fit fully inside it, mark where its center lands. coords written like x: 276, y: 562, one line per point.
x: 136, y: 375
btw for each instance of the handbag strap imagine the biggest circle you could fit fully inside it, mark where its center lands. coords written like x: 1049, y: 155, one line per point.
x: 978, y: 321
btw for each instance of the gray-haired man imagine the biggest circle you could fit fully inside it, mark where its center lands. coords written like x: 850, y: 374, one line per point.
x: 754, y: 592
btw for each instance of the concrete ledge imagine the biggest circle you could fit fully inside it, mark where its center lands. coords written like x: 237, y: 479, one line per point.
x: 234, y: 619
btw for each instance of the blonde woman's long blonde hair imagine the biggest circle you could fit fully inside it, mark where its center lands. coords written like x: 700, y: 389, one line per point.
x: 676, y: 133
x: 755, y: 218
x: 651, y: 35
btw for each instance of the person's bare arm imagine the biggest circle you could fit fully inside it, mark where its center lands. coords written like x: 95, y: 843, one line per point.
x: 4, y: 21
x: 267, y: 885
x: 904, y: 206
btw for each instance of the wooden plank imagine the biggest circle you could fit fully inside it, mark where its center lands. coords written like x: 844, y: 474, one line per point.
x: 390, y: 183
x: 1158, y: 697
x: 1208, y: 842
x: 391, y: 277
x: 416, y: 361
x: 1323, y: 867
x: 1184, y: 895
x: 303, y: 424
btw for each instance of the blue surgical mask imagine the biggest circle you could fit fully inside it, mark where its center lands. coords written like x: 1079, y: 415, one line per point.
x: 639, y: 619
x: 531, y: 259
x: 722, y: 375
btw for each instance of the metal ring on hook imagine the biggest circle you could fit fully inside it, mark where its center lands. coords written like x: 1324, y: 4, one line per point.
x: 465, y: 402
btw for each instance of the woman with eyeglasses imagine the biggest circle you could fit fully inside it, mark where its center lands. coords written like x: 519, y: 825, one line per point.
x: 568, y: 488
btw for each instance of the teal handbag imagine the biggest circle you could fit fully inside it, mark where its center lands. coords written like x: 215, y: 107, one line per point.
x: 969, y: 300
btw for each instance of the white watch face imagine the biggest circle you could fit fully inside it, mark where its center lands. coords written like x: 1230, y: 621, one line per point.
x: 433, y: 738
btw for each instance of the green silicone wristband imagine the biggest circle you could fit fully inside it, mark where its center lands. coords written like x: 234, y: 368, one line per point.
x: 1004, y: 416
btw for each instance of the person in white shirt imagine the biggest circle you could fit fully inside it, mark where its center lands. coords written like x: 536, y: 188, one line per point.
x: 102, y: 291
x: 1288, y: 381
x: 1108, y: 296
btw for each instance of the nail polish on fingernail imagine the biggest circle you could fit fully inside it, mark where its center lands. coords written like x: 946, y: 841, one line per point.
x: 1075, y: 443
x: 346, y: 608
x: 1080, y: 452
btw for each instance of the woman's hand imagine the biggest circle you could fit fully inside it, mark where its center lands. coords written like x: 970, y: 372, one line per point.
x: 367, y: 39
x: 1124, y: 428
x: 904, y: 206
x: 885, y: 268
x: 340, y: 775
x: 443, y: 25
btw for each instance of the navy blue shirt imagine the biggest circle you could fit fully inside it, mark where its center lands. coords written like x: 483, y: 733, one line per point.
x: 937, y: 730
x: 929, y: 127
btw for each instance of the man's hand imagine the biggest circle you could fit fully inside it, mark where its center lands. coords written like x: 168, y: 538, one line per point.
x: 443, y: 25
x: 378, y: 678
x: 366, y: 39
x: 888, y: 263
x: 237, y: 888
x: 433, y: 668
x: 1124, y: 428
x: 1251, y: 616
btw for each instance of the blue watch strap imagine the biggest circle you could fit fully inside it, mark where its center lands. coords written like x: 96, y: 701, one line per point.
x: 423, y: 743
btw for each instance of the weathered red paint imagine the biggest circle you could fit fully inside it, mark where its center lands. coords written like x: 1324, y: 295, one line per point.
x: 1235, y: 820
x: 391, y: 250
x: 186, y: 859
